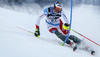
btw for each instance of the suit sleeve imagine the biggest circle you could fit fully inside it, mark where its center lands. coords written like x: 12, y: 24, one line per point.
x: 64, y: 17
x: 38, y: 20
x: 45, y: 13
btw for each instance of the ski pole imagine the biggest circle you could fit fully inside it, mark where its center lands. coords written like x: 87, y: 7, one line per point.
x: 85, y: 37
x: 24, y: 29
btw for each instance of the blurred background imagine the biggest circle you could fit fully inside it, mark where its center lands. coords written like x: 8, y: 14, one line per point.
x: 30, y: 5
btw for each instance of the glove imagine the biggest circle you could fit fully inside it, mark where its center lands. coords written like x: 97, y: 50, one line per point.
x: 37, y: 33
x: 66, y: 26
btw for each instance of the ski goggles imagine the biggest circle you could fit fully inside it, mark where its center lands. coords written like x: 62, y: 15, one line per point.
x: 57, y: 2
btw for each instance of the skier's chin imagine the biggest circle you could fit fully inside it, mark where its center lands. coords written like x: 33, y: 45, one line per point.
x: 55, y: 12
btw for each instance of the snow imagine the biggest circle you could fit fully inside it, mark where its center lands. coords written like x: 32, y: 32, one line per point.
x: 15, y: 42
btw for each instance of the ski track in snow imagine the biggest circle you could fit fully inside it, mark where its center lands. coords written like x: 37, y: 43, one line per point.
x: 15, y: 42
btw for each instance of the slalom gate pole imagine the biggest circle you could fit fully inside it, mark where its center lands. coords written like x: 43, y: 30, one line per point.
x: 85, y: 37
x: 70, y: 23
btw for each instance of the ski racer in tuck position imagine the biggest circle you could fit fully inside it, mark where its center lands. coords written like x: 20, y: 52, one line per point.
x: 60, y: 29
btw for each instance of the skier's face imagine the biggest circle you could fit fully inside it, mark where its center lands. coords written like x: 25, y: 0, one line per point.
x: 57, y: 10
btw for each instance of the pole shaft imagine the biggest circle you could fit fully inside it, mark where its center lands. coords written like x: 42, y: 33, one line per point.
x: 85, y: 37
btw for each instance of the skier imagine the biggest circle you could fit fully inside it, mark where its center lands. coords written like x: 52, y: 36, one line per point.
x: 57, y: 27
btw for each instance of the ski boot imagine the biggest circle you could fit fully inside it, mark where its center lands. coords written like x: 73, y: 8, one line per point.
x: 73, y: 45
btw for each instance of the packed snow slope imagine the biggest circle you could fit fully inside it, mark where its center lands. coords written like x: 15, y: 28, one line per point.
x: 15, y: 42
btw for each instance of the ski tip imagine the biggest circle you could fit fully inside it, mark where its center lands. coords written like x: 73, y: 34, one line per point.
x: 93, y: 52
x: 74, y: 49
